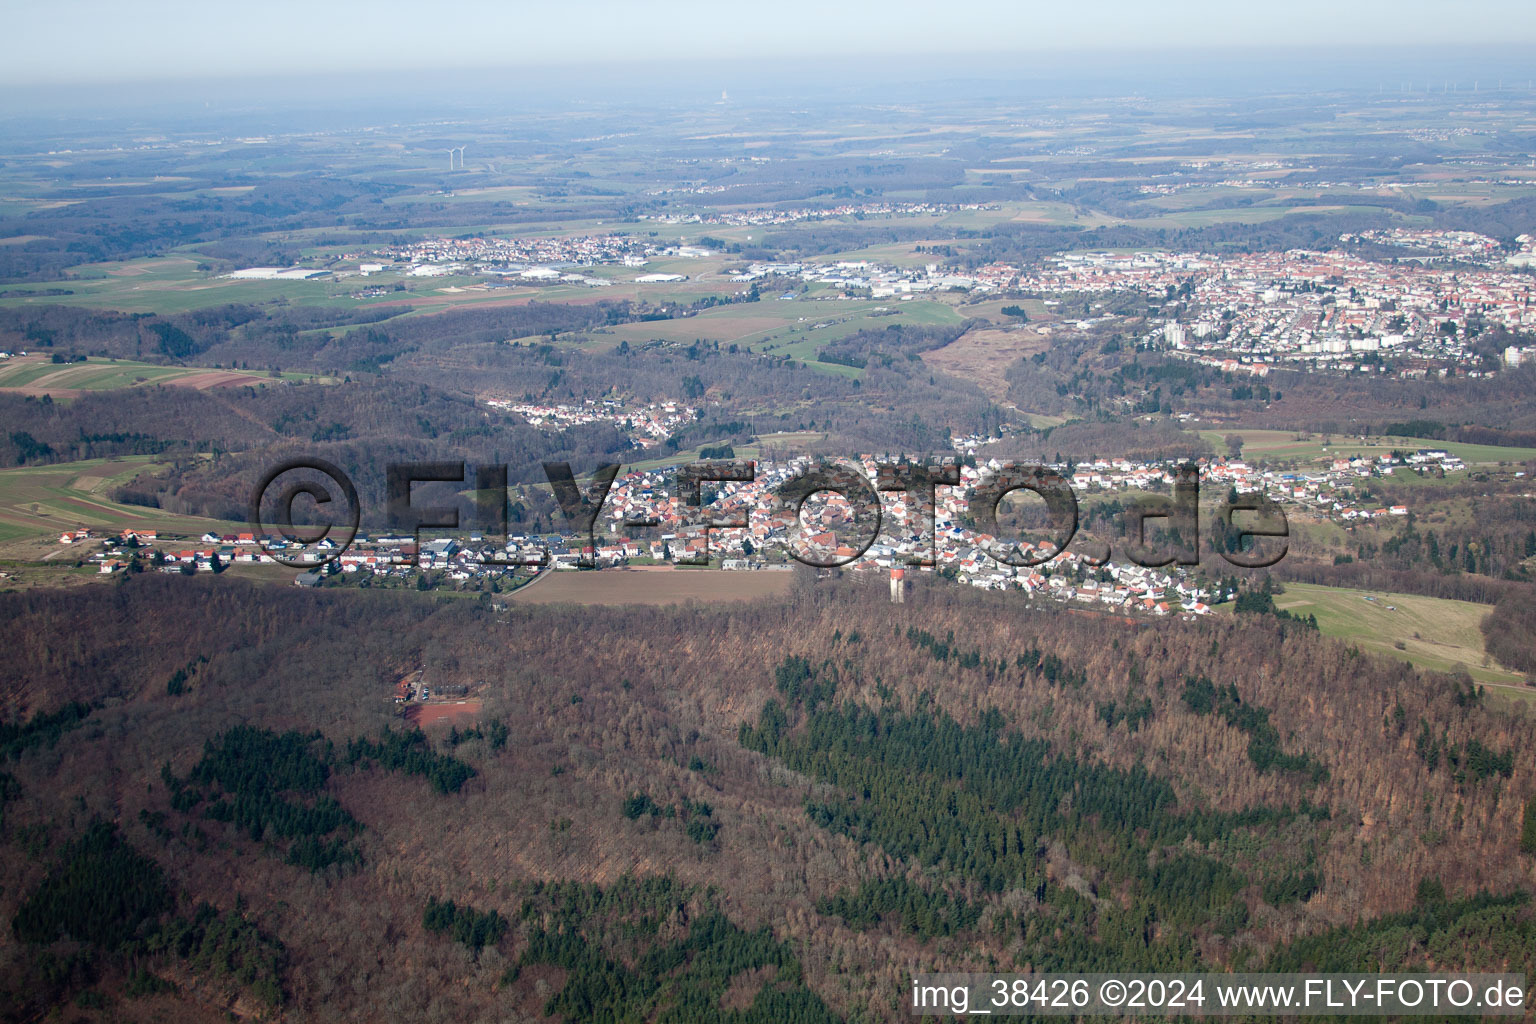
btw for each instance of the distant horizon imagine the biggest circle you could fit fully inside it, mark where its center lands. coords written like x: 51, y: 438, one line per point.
x: 1227, y: 71
x: 93, y: 41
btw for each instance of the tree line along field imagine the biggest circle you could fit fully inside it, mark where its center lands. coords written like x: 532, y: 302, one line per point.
x: 779, y: 442
x: 1433, y: 633
x: 795, y: 328
x: 1306, y: 446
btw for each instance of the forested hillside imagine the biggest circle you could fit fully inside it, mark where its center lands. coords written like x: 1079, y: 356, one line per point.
x: 778, y: 809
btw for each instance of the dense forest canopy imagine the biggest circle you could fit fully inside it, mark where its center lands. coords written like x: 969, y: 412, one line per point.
x: 1229, y: 788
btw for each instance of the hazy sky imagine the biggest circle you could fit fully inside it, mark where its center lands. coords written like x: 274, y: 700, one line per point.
x: 88, y: 41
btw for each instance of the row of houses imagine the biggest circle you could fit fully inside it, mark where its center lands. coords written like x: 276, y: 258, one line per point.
x: 643, y: 518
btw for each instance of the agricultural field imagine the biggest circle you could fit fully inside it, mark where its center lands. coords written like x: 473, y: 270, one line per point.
x: 789, y: 439
x: 816, y: 325
x: 38, y: 375
x: 167, y: 285
x: 797, y: 328
x: 38, y: 503
x: 1290, y: 446
x: 982, y: 356
x: 1432, y: 633
x: 654, y: 585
